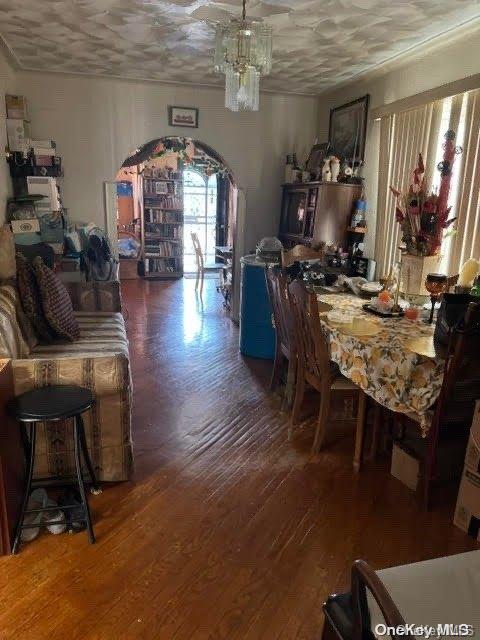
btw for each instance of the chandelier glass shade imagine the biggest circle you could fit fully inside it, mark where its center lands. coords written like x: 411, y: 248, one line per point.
x: 243, y: 52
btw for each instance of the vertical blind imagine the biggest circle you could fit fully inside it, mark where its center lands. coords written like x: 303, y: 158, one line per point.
x: 404, y: 135
x: 466, y: 242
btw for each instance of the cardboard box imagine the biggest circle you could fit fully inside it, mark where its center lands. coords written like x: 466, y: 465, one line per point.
x: 405, y: 466
x: 16, y: 107
x: 44, y: 143
x: 46, y: 187
x: 472, y: 455
x: 31, y: 225
x: 18, y: 134
x: 467, y: 511
x: 475, y: 430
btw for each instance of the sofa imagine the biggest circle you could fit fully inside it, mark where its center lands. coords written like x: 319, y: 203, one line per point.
x: 99, y: 360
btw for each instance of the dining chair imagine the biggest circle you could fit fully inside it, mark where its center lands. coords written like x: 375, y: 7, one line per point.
x: 300, y: 253
x: 201, y: 265
x: 277, y: 287
x: 453, y: 412
x: 316, y: 369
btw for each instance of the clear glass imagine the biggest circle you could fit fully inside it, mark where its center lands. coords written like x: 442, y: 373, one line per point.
x: 243, y: 52
x: 200, y: 216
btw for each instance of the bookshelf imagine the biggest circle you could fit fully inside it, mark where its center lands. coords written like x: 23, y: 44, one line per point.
x: 162, y: 227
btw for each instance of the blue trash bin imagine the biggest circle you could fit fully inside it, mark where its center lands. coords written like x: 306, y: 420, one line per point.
x: 257, y: 335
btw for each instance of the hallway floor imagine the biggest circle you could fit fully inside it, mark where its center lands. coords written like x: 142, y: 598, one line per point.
x: 226, y: 530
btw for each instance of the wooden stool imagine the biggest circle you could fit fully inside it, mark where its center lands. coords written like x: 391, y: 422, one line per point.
x: 48, y: 404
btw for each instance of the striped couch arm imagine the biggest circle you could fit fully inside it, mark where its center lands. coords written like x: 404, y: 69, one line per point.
x: 107, y: 423
x: 104, y: 375
x: 95, y: 296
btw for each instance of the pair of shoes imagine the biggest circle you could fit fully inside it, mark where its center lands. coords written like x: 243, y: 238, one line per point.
x: 39, y: 500
x: 71, y: 505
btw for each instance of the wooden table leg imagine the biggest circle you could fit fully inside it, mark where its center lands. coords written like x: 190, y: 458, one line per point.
x: 362, y: 406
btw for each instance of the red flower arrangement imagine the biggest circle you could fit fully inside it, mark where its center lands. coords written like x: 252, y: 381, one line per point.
x: 423, y: 217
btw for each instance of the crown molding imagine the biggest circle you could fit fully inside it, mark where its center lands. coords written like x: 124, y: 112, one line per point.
x: 429, y: 46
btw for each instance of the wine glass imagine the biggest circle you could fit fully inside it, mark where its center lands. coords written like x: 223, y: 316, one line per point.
x: 435, y: 284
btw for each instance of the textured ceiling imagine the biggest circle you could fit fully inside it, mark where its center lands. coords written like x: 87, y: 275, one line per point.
x: 317, y: 43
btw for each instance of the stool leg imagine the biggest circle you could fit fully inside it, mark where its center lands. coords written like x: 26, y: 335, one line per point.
x: 96, y: 490
x: 81, y: 485
x: 28, y: 487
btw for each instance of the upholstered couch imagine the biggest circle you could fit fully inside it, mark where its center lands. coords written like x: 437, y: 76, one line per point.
x: 99, y: 361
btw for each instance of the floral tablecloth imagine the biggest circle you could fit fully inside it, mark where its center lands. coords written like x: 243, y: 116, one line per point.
x: 383, y: 365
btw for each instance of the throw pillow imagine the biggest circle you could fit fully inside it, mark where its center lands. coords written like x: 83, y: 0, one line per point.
x: 7, y: 253
x: 56, y: 303
x: 31, y: 300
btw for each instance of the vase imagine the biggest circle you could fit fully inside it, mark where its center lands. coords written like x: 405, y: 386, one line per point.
x: 414, y: 271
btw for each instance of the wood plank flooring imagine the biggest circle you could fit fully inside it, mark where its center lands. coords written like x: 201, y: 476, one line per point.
x: 226, y: 529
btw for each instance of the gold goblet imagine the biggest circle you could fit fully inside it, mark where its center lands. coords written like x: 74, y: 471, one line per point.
x: 435, y: 284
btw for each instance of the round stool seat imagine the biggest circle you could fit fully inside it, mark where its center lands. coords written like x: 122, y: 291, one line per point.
x: 51, y: 403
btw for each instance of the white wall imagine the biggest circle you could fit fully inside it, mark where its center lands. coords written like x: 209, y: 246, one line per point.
x: 7, y: 85
x: 457, y: 59
x: 98, y: 122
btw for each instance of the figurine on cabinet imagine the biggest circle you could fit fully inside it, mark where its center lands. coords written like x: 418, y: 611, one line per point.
x: 326, y: 171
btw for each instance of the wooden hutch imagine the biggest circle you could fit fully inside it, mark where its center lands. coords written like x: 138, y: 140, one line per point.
x: 313, y: 212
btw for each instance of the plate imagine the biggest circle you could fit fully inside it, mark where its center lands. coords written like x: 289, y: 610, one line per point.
x: 422, y: 346
x: 360, y: 328
x: 340, y: 318
x: 382, y: 314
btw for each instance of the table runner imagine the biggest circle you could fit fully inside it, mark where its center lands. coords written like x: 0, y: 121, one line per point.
x: 382, y: 365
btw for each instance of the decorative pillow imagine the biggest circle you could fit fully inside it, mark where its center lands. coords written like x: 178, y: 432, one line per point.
x: 31, y: 299
x: 7, y: 253
x: 56, y: 302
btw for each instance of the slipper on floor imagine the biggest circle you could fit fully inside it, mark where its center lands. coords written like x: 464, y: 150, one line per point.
x: 38, y: 500
x: 56, y: 516
x: 75, y: 513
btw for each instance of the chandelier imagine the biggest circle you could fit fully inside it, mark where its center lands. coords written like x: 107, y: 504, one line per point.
x: 243, y: 52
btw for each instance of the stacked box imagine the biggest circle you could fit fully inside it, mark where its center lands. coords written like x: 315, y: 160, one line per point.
x: 467, y: 511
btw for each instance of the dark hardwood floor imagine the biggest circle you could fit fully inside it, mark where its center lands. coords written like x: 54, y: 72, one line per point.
x: 226, y: 530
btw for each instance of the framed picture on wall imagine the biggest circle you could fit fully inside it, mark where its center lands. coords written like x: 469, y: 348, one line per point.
x: 183, y: 117
x: 347, y: 130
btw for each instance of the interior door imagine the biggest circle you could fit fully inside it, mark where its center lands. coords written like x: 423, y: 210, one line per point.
x: 238, y: 252
x: 110, y: 205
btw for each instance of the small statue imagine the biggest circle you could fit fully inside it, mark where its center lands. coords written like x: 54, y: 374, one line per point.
x: 326, y: 171
x: 334, y: 168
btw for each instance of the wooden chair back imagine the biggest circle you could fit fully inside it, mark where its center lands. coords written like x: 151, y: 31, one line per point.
x: 312, y: 345
x: 460, y: 390
x: 299, y: 253
x: 277, y: 287
x: 461, y: 381
x: 198, y: 251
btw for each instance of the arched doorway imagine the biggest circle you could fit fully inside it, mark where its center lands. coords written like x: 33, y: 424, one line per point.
x: 166, y: 189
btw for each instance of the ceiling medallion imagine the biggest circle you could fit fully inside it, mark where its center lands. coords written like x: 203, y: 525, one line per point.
x: 243, y: 52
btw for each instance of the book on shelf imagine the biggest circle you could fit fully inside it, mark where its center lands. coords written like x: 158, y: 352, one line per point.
x: 161, y: 231
x: 161, y: 265
x: 163, y: 201
x: 163, y: 217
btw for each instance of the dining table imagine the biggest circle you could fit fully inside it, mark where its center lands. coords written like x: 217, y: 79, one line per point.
x: 396, y: 364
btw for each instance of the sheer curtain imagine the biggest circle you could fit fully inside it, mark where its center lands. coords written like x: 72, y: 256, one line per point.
x: 466, y: 242
x: 402, y: 137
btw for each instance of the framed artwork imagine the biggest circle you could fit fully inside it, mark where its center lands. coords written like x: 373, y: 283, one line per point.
x: 317, y: 155
x: 347, y: 130
x: 183, y: 117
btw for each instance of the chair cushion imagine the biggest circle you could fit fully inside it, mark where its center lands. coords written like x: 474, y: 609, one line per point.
x: 56, y: 302
x: 101, y: 334
x: 31, y: 299
x: 7, y: 254
x: 12, y: 343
